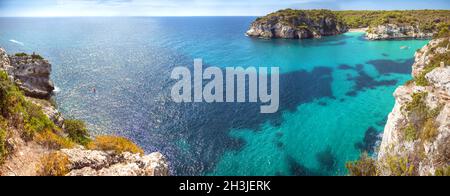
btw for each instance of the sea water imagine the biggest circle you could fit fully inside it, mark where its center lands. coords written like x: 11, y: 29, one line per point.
x: 335, y: 92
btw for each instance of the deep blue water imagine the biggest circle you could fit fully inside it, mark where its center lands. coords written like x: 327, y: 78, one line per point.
x: 335, y: 92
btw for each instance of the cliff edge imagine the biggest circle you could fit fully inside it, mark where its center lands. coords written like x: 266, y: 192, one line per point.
x: 297, y: 24
x: 416, y: 139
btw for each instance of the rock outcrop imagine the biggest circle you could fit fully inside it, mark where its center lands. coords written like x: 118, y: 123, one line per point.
x: 32, y: 75
x: 397, y: 31
x: 101, y: 163
x: 418, y: 128
x: 297, y: 24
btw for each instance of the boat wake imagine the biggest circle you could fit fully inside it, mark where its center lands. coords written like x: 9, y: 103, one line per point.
x: 17, y: 42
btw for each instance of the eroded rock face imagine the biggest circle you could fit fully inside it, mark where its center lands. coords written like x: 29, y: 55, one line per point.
x: 4, y: 60
x: 301, y: 26
x: 426, y: 155
x: 394, y: 31
x: 32, y: 75
x: 101, y: 163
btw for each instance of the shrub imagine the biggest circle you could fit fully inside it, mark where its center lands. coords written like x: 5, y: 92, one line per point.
x: 36, y: 121
x: 429, y: 131
x: 410, y: 133
x: 365, y: 166
x: 77, y: 131
x: 3, y: 150
x: 53, y: 164
x: 22, y: 54
x: 114, y: 143
x: 52, y: 140
x: 36, y: 56
x: 443, y: 171
x: 400, y: 166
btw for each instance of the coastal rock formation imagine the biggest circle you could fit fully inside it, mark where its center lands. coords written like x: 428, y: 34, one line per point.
x: 397, y: 31
x: 417, y: 133
x: 32, y: 75
x: 297, y: 24
x: 101, y: 163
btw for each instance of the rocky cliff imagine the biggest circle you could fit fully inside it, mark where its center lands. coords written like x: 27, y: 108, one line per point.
x: 35, y: 139
x: 30, y: 72
x: 397, y: 31
x: 416, y: 139
x: 297, y: 24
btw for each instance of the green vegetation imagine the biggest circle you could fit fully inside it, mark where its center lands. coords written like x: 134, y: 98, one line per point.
x: 53, y: 164
x: 443, y: 171
x: 114, y: 143
x: 400, y: 166
x: 77, y: 131
x: 52, y: 140
x: 28, y: 116
x: 444, y: 30
x: 423, y: 119
x: 33, y: 56
x: 3, y: 150
x: 300, y: 19
x: 22, y: 54
x: 365, y: 166
x: 436, y: 59
x: 36, y: 56
x: 426, y: 20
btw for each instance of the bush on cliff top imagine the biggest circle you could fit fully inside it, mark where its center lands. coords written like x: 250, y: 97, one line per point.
x: 27, y: 116
x: 114, y: 143
x: 365, y: 166
x: 77, y: 131
x: 422, y: 123
x: 53, y: 164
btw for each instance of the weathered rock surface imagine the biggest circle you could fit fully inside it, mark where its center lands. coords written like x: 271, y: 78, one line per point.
x: 101, y: 163
x: 395, y: 31
x: 427, y: 156
x: 301, y: 25
x: 32, y: 75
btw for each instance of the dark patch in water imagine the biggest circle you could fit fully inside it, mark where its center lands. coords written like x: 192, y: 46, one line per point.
x: 370, y: 139
x: 321, y: 103
x: 382, y: 122
x: 341, y: 100
x: 280, y: 145
x: 385, y: 66
x: 385, y: 55
x: 297, y: 169
x: 207, y: 125
x: 363, y: 81
x: 326, y: 159
x: 345, y: 67
x: 279, y: 134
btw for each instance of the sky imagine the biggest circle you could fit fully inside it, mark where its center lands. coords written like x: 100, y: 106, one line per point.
x: 48, y: 8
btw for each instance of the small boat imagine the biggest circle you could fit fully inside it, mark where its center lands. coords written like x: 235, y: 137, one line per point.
x: 404, y: 47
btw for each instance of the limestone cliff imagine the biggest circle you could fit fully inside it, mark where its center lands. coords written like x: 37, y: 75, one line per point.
x: 297, y: 24
x: 416, y: 139
x: 397, y: 31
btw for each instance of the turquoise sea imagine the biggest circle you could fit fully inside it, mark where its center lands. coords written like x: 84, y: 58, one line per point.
x: 335, y: 92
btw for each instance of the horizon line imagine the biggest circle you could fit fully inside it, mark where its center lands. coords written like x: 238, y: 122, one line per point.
x: 67, y: 16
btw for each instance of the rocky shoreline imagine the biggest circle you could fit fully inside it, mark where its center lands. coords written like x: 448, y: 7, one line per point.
x: 297, y: 24
x: 307, y: 24
x: 31, y: 73
x: 394, y: 31
x: 418, y: 128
